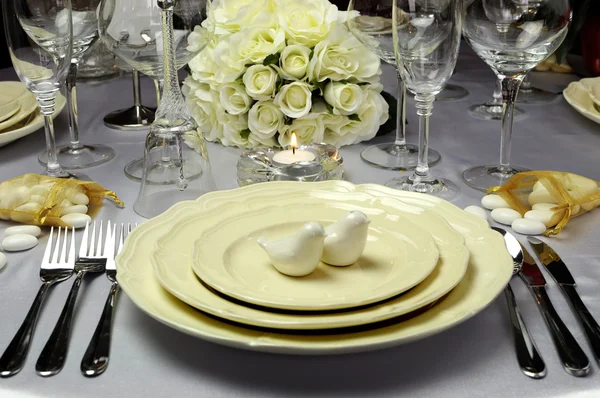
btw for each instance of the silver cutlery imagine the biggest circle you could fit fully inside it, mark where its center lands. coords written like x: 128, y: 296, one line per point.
x: 557, y: 268
x: 530, y: 362
x: 573, y: 359
x: 95, y: 359
x: 54, y: 354
x: 52, y: 271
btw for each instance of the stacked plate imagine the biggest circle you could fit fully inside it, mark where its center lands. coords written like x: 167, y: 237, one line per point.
x: 427, y: 266
x: 19, y: 114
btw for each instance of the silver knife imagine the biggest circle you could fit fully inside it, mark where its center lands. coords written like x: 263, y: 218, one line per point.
x: 574, y: 360
x: 562, y: 276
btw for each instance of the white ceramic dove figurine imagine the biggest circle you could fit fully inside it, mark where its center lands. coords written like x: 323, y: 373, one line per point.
x: 346, y: 239
x: 297, y: 255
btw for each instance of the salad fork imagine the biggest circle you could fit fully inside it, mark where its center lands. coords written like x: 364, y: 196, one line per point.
x: 52, y: 271
x: 95, y: 359
x: 54, y: 354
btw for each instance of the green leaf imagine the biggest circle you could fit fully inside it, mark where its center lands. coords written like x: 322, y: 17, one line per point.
x: 329, y: 108
x: 354, y: 117
x: 272, y: 59
x: 245, y: 134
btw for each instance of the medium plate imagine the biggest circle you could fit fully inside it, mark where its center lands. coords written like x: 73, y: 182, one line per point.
x: 577, y: 96
x: 23, y: 97
x: 171, y: 260
x: 489, y: 270
x: 397, y: 256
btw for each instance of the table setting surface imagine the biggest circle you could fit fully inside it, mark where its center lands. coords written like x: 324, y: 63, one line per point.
x: 475, y: 358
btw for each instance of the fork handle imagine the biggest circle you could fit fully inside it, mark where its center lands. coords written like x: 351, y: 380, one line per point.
x: 14, y: 356
x: 54, y: 354
x: 95, y: 359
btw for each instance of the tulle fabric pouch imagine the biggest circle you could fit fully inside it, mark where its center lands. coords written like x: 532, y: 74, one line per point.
x: 41, y: 200
x: 570, y: 194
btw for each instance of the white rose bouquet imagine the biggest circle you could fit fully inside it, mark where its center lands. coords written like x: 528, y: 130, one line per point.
x: 277, y: 67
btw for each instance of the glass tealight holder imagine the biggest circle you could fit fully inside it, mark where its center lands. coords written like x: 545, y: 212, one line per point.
x: 316, y: 162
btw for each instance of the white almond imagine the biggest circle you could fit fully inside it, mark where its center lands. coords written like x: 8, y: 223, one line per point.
x: 538, y: 185
x: 32, y: 230
x: 547, y: 217
x: 40, y: 189
x: 7, y: 186
x: 37, y: 199
x: 19, y: 242
x: 30, y: 180
x: 543, y: 206
x: 524, y: 226
x: 581, y: 184
x: 2, y: 260
x: 477, y: 211
x: 541, y: 196
x: 24, y: 213
x: 492, y: 202
x: 505, y: 216
x: 80, y: 199
x: 83, y: 209
x: 76, y: 220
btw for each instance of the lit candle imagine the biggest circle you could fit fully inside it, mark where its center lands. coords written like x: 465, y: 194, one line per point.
x: 293, y: 154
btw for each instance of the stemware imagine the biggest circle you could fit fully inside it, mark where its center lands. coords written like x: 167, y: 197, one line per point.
x: 137, y: 38
x: 492, y: 109
x: 512, y: 37
x: 533, y: 95
x: 85, y: 32
x: 426, y: 40
x: 373, y: 27
x: 41, y: 57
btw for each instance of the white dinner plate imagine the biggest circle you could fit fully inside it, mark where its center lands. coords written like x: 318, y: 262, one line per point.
x: 34, y: 122
x: 489, y: 270
x: 23, y: 97
x: 172, y: 258
x: 577, y: 96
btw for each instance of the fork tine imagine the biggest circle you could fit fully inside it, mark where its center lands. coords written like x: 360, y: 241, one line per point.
x: 63, y: 254
x: 84, y: 241
x: 122, y: 238
x: 92, y: 240
x: 71, y: 259
x: 98, y: 252
x: 56, y: 247
x: 46, y: 258
x: 110, y: 238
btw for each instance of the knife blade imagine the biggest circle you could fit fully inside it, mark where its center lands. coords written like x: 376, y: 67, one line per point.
x: 559, y: 271
x: 573, y: 359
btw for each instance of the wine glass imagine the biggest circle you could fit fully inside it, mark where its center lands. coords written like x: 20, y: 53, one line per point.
x: 373, y: 27
x: 426, y: 38
x: 492, y: 109
x: 137, y: 38
x: 85, y: 32
x: 512, y: 37
x: 533, y: 95
x: 41, y: 56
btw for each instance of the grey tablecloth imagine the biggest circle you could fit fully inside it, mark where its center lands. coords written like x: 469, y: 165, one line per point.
x: 473, y: 359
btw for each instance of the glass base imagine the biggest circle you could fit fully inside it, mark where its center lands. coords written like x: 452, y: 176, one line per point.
x: 164, y: 172
x: 439, y: 187
x: 390, y: 156
x: 452, y: 92
x: 484, y: 177
x: 535, y: 96
x: 490, y: 111
x: 135, y: 118
x: 86, y: 156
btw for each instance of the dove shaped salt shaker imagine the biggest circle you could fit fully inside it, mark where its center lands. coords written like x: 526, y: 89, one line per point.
x: 297, y: 255
x: 345, y: 240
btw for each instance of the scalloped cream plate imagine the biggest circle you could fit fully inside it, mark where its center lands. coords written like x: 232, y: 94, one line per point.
x: 172, y: 258
x: 578, y: 96
x: 490, y: 268
x: 398, y: 255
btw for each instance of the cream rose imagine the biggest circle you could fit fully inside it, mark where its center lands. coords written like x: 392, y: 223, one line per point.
x: 204, y: 105
x: 253, y: 44
x: 294, y: 61
x: 294, y: 99
x: 265, y: 119
x: 344, y: 98
x: 231, y: 16
x: 308, y: 129
x: 260, y: 82
x: 306, y: 22
x: 342, y: 57
x: 235, y: 129
x: 234, y: 99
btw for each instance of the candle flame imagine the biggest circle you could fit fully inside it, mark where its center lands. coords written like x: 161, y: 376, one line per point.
x: 294, y: 143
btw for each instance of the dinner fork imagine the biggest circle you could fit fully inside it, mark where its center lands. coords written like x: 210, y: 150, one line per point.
x: 52, y: 271
x: 54, y: 354
x: 95, y: 359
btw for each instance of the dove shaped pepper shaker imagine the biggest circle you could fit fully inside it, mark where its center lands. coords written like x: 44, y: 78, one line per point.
x: 345, y: 240
x: 297, y: 255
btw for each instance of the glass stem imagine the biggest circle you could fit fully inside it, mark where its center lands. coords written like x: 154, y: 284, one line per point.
x: 70, y: 87
x: 526, y: 86
x: 46, y: 102
x: 158, y: 86
x: 401, y: 114
x: 424, y: 110
x: 137, y: 90
x: 510, y: 89
x: 497, y: 95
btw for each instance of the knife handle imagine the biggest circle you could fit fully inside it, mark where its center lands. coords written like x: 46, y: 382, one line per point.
x: 531, y: 363
x: 590, y: 327
x: 574, y: 360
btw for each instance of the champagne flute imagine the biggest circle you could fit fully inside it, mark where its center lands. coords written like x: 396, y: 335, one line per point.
x: 426, y: 39
x: 41, y: 57
x: 373, y: 27
x: 512, y: 37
